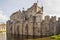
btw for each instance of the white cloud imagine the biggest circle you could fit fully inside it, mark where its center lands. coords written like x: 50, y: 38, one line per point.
x: 2, y: 16
x: 52, y: 7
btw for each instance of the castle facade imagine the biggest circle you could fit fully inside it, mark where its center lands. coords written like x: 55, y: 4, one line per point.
x: 31, y: 22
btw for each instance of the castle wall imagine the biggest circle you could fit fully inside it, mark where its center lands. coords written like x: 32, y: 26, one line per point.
x: 53, y: 25
x: 30, y: 22
x: 30, y: 29
x: 37, y: 24
x: 47, y: 19
x: 30, y: 26
x: 43, y: 28
x: 9, y: 27
x: 58, y: 26
x: 25, y: 28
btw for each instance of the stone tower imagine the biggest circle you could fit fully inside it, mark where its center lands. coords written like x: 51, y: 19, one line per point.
x: 45, y: 26
x: 53, y: 25
x: 35, y: 20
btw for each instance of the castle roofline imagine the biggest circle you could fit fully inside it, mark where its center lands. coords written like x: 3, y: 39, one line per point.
x: 15, y: 12
x: 34, y: 6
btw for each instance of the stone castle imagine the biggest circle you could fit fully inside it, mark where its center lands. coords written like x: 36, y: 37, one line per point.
x: 30, y: 22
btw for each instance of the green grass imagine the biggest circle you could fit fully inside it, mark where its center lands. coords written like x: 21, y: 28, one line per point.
x: 56, y: 37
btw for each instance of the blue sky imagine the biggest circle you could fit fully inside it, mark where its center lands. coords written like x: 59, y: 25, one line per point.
x: 7, y: 7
